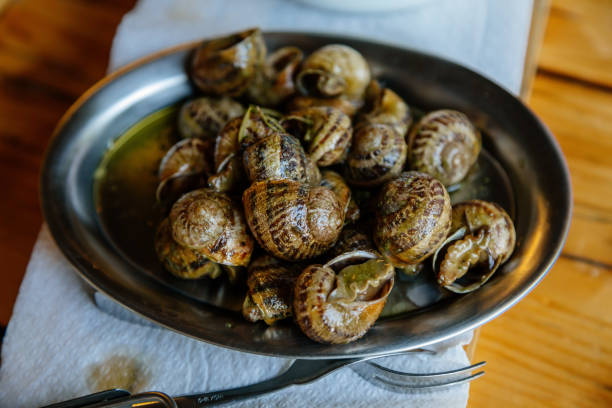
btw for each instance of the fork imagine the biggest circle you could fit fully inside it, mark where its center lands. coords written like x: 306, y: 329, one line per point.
x: 300, y: 372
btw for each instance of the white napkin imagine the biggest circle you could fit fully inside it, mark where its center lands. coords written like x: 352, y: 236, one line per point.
x: 59, y: 343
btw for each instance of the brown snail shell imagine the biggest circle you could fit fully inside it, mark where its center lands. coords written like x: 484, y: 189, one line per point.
x: 257, y: 124
x: 183, y: 168
x: 210, y: 222
x: 336, y: 183
x: 338, y: 302
x: 352, y: 238
x: 275, y: 82
x: 377, y: 155
x: 445, y: 145
x: 413, y: 218
x: 326, y: 130
x: 227, y: 66
x: 279, y: 157
x: 299, y: 102
x: 292, y: 220
x: 385, y: 107
x: 204, y: 117
x: 181, y: 261
x: 270, y: 289
x: 229, y: 173
x: 334, y: 70
x: 482, y: 238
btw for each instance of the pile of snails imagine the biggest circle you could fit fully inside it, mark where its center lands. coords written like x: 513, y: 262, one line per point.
x: 308, y: 179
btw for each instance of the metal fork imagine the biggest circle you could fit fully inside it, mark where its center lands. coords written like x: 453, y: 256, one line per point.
x: 300, y: 372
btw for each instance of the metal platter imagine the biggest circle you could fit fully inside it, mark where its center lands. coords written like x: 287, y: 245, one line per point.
x: 522, y: 163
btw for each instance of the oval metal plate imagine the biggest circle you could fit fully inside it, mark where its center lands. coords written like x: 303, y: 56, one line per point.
x: 522, y: 145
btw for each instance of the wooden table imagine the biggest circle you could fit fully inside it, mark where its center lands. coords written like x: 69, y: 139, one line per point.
x: 553, y: 349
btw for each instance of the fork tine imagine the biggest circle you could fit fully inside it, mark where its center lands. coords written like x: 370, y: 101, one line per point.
x: 409, y: 387
x: 400, y: 375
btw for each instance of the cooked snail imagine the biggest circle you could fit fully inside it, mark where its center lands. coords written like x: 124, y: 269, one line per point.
x: 482, y: 238
x: 181, y: 261
x: 227, y: 66
x: 274, y: 83
x: 327, y: 132
x: 413, y: 217
x: 210, y: 222
x: 385, y: 107
x: 352, y: 238
x: 445, y: 145
x: 338, y: 302
x: 378, y: 154
x: 204, y: 117
x: 334, y: 70
x: 299, y: 102
x: 292, y: 220
x: 270, y: 289
x: 257, y: 124
x: 229, y: 172
x: 336, y: 183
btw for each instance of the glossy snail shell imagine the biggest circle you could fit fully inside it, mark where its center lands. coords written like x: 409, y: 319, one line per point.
x: 353, y: 238
x: 413, y: 218
x: 204, y: 117
x: 378, y: 154
x: 445, y: 145
x: 227, y: 66
x: 485, y: 238
x: 334, y: 70
x: 210, y: 222
x: 338, y: 302
x: 336, y: 183
x: 229, y: 173
x: 292, y: 220
x: 385, y: 107
x: 182, y: 262
x: 275, y: 82
x: 299, y: 102
x: 270, y: 289
x: 328, y: 133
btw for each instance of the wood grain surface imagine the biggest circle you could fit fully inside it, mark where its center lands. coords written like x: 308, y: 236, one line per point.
x: 553, y: 349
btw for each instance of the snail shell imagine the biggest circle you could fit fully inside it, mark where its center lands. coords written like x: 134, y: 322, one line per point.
x: 338, y: 302
x: 204, y: 117
x: 353, y: 238
x: 227, y: 66
x: 299, y: 102
x: 482, y: 238
x: 278, y: 157
x: 328, y: 133
x: 292, y: 220
x: 213, y: 224
x: 385, y: 107
x: 334, y: 70
x: 180, y: 261
x: 275, y: 83
x: 445, y: 145
x: 229, y: 173
x: 413, y: 217
x: 378, y: 154
x: 336, y: 183
x: 270, y: 289
x: 257, y: 124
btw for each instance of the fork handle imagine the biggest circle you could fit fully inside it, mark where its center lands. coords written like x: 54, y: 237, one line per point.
x: 300, y: 372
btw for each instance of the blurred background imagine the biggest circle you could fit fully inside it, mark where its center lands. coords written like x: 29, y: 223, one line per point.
x: 553, y: 349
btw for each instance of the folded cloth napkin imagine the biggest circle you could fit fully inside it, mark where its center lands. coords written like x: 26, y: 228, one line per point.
x: 63, y: 342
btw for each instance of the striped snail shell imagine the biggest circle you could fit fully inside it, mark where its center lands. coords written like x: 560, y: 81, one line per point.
x: 204, y: 117
x: 385, y: 107
x: 327, y: 132
x: 181, y: 261
x: 413, y: 218
x: 338, y: 302
x: 482, y: 237
x: 341, y: 103
x: 353, y: 238
x: 229, y: 173
x: 257, y: 124
x: 292, y: 220
x: 183, y: 168
x: 378, y: 154
x: 275, y: 83
x: 445, y: 145
x: 334, y: 70
x: 336, y: 183
x: 210, y: 222
x: 227, y: 66
x: 270, y: 289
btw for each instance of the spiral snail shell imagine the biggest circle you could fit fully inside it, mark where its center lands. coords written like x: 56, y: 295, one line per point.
x: 334, y: 70
x: 445, y: 145
x: 228, y: 65
x: 336, y: 183
x: 413, y: 217
x: 292, y: 220
x: 275, y: 83
x: 229, y: 173
x: 482, y: 238
x: 378, y: 154
x: 204, y: 117
x: 353, y: 238
x: 385, y: 107
x: 270, y: 289
x: 338, y: 302
x: 299, y: 102
x: 210, y: 222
